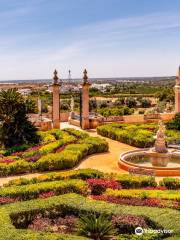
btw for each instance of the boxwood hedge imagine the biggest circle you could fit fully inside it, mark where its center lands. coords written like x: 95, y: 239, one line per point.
x: 22, y: 213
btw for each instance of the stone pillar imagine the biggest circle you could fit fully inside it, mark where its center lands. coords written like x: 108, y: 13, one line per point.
x: 56, y: 101
x: 85, y: 102
x: 177, y: 92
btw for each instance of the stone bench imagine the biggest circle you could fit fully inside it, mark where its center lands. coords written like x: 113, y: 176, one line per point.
x: 141, y: 171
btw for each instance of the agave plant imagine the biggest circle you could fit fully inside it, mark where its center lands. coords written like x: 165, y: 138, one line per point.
x: 97, y: 228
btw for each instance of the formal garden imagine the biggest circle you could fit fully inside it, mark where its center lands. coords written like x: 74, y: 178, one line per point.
x: 65, y: 203
x: 88, y: 204
x: 56, y: 150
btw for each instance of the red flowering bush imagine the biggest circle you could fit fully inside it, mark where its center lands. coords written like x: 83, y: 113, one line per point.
x: 64, y: 225
x: 98, y: 186
x: 5, y: 200
x: 150, y: 202
x: 33, y: 158
x: 128, y: 223
x: 7, y: 160
x: 46, y: 194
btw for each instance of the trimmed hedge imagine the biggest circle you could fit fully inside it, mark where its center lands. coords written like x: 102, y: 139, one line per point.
x: 72, y: 174
x: 138, y: 135
x: 170, y: 183
x: 56, y: 155
x: 132, y: 181
x: 140, y: 193
x: 33, y: 190
x: 22, y: 213
x: 71, y: 155
x: 132, y: 134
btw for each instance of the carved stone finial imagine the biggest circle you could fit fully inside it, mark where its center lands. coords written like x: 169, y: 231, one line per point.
x: 85, y: 77
x: 55, y: 78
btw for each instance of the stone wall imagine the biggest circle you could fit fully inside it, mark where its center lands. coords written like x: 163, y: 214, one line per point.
x: 64, y: 116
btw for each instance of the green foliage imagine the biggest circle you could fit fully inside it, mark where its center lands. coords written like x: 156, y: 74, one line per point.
x: 132, y: 181
x: 166, y: 94
x: 31, y: 106
x: 132, y: 134
x: 64, y: 160
x: 17, y: 167
x: 175, y: 123
x: 131, y: 102
x: 170, y: 183
x: 21, y: 213
x: 72, y: 174
x: 97, y: 228
x: 65, y: 150
x: 31, y: 191
x: 145, y: 103
x: 115, y: 111
x: 15, y: 128
x: 142, y: 193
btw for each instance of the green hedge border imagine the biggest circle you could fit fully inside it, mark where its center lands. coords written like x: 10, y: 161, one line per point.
x: 167, y: 218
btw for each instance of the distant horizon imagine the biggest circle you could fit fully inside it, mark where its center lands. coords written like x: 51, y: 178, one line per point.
x: 94, y: 78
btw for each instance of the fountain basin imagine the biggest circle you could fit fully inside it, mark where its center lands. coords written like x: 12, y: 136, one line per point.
x: 139, y: 159
x: 159, y: 159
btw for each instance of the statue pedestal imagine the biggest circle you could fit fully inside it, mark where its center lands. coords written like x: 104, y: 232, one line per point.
x: 159, y: 159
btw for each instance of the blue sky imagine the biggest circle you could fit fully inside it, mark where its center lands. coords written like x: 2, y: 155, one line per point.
x: 111, y: 38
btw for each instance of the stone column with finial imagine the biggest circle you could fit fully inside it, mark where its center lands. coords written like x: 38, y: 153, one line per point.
x: 177, y: 92
x: 56, y: 101
x: 85, y: 101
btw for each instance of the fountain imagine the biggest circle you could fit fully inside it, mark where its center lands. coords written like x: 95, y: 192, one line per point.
x: 159, y: 159
x: 160, y: 155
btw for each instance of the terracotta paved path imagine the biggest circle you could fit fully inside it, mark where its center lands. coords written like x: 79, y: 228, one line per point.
x: 106, y: 162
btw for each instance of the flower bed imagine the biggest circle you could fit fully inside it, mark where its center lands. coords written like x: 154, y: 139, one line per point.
x: 150, y: 202
x: 23, y: 213
x: 63, y: 151
x: 35, y: 190
x: 99, y: 186
x: 170, y: 183
x: 138, y: 135
x: 133, y: 181
x: 72, y: 174
x: 141, y: 193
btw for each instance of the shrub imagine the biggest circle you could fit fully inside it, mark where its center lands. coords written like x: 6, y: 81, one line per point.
x: 72, y: 174
x: 140, y: 193
x: 56, y: 155
x: 24, y: 212
x: 132, y: 181
x: 137, y: 201
x: 128, y: 223
x: 170, y: 183
x: 17, y: 167
x: 97, y: 228
x: 132, y: 134
x: 98, y: 186
x: 98, y: 145
x: 76, y: 133
x: 34, y: 190
x: 175, y: 123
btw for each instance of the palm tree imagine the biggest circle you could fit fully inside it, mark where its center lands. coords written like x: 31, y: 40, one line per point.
x: 15, y: 128
x: 97, y: 228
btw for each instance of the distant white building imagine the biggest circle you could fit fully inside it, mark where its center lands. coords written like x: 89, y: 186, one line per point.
x: 101, y: 86
x: 25, y: 91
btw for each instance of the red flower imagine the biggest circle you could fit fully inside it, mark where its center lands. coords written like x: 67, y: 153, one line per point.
x: 46, y: 194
